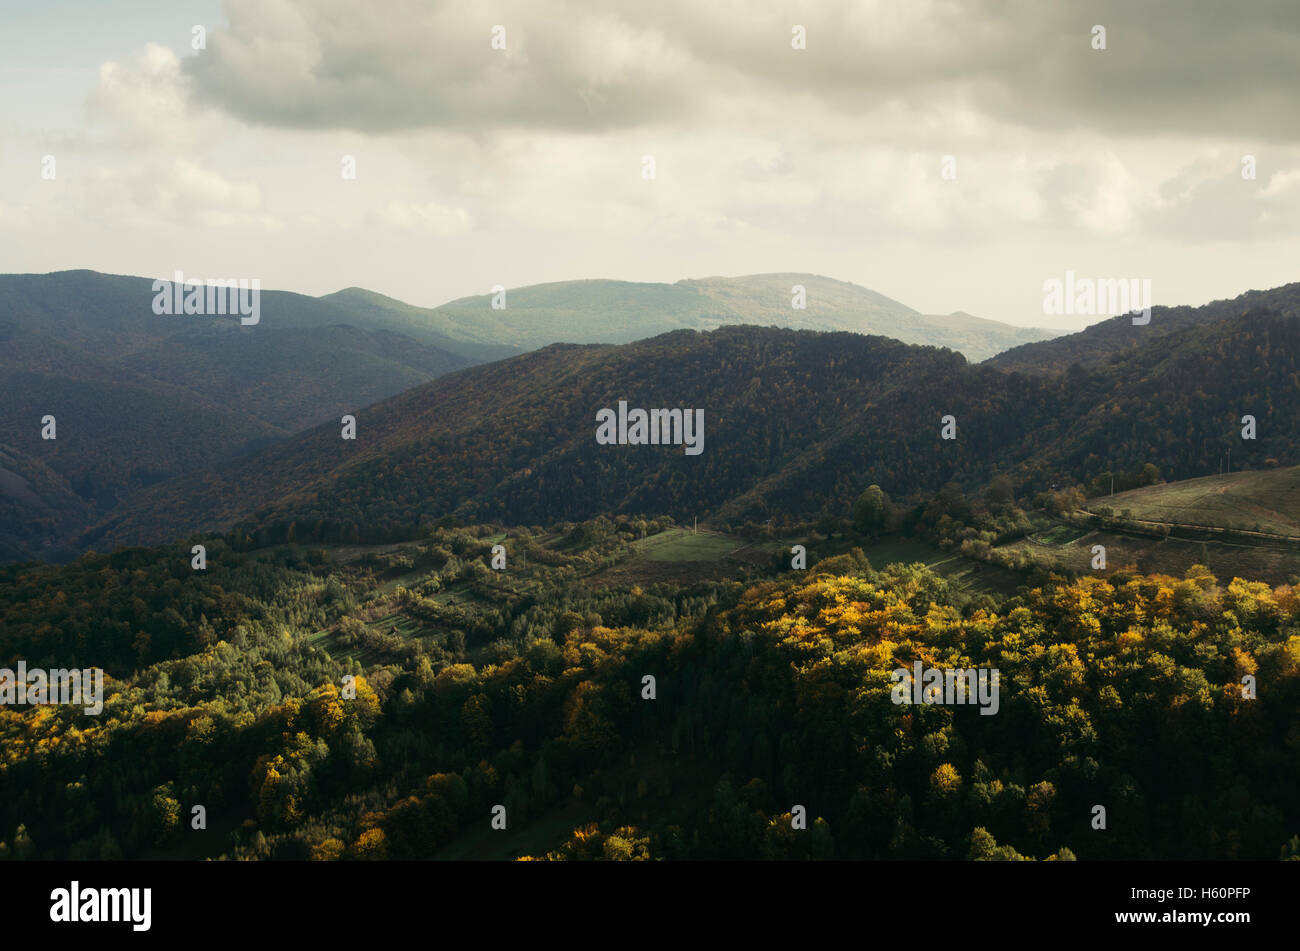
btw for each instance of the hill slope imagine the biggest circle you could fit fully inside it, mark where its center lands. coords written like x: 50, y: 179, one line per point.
x: 516, y: 439
x: 1109, y: 340
x: 142, y: 398
x: 138, y: 397
x: 797, y: 423
x: 601, y: 311
x: 1262, y: 501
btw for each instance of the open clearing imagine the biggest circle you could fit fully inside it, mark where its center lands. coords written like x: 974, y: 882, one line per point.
x: 1260, y: 500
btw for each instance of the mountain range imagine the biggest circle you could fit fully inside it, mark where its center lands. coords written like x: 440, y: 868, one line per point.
x: 1110, y: 339
x: 169, y: 425
x: 139, y: 398
x: 797, y: 423
x: 621, y: 312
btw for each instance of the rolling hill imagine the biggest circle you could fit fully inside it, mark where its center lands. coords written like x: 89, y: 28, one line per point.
x: 1112, y: 339
x: 138, y: 398
x: 796, y: 424
x: 601, y: 311
x: 141, y: 398
x: 1260, y: 501
x: 797, y: 420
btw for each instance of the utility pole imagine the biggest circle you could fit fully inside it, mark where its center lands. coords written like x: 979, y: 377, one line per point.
x: 1112, y: 485
x: 1229, y: 461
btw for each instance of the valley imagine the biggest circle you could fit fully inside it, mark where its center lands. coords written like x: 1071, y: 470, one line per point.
x: 369, y: 701
x: 457, y: 611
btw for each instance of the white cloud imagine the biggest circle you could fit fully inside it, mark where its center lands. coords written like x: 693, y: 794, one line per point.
x: 768, y: 159
x: 143, y: 101
x: 428, y: 216
x: 1284, y: 184
x: 191, y: 186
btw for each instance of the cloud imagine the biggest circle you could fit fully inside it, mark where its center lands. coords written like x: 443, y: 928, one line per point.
x: 195, y: 186
x: 1207, y: 200
x: 337, y: 65
x: 166, y: 194
x: 142, y: 101
x: 428, y: 216
x: 1192, y: 67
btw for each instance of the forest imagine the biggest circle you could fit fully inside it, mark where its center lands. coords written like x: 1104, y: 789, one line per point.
x: 334, y: 701
x: 354, y: 676
x: 799, y: 423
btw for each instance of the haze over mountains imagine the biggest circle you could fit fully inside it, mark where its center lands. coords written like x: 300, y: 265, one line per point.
x: 622, y: 311
x: 797, y: 424
x: 797, y: 420
x: 140, y: 398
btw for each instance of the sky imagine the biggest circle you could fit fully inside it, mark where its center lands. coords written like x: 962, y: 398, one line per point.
x: 950, y: 155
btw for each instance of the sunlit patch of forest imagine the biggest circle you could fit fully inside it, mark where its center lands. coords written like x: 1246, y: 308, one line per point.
x: 371, y: 702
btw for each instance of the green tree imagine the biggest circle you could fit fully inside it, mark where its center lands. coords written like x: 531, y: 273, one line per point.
x: 1000, y: 491
x: 871, y: 511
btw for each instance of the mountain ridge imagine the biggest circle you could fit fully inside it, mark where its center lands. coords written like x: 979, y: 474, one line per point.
x: 797, y: 423
x: 617, y: 311
x: 1110, y: 339
x: 137, y: 397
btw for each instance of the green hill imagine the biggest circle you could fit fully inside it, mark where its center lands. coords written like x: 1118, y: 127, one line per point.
x: 1265, y: 501
x: 1114, y: 339
x: 602, y: 311
x: 139, y: 398
x: 797, y: 424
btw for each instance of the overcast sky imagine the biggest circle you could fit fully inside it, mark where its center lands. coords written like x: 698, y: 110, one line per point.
x: 478, y: 166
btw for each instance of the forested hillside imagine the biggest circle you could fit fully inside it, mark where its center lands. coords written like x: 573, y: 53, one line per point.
x: 526, y: 688
x: 1116, y: 338
x: 796, y: 425
x: 138, y: 398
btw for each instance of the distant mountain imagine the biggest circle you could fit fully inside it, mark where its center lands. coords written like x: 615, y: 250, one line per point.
x: 138, y: 398
x: 425, y: 324
x: 515, y: 439
x: 797, y: 423
x: 1110, y: 339
x: 601, y: 311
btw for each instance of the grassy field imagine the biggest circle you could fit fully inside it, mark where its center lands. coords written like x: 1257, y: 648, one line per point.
x: 679, y: 544
x: 1057, y: 534
x: 1263, y: 500
x: 1255, y: 516
x: 678, y: 555
x: 1227, y: 560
